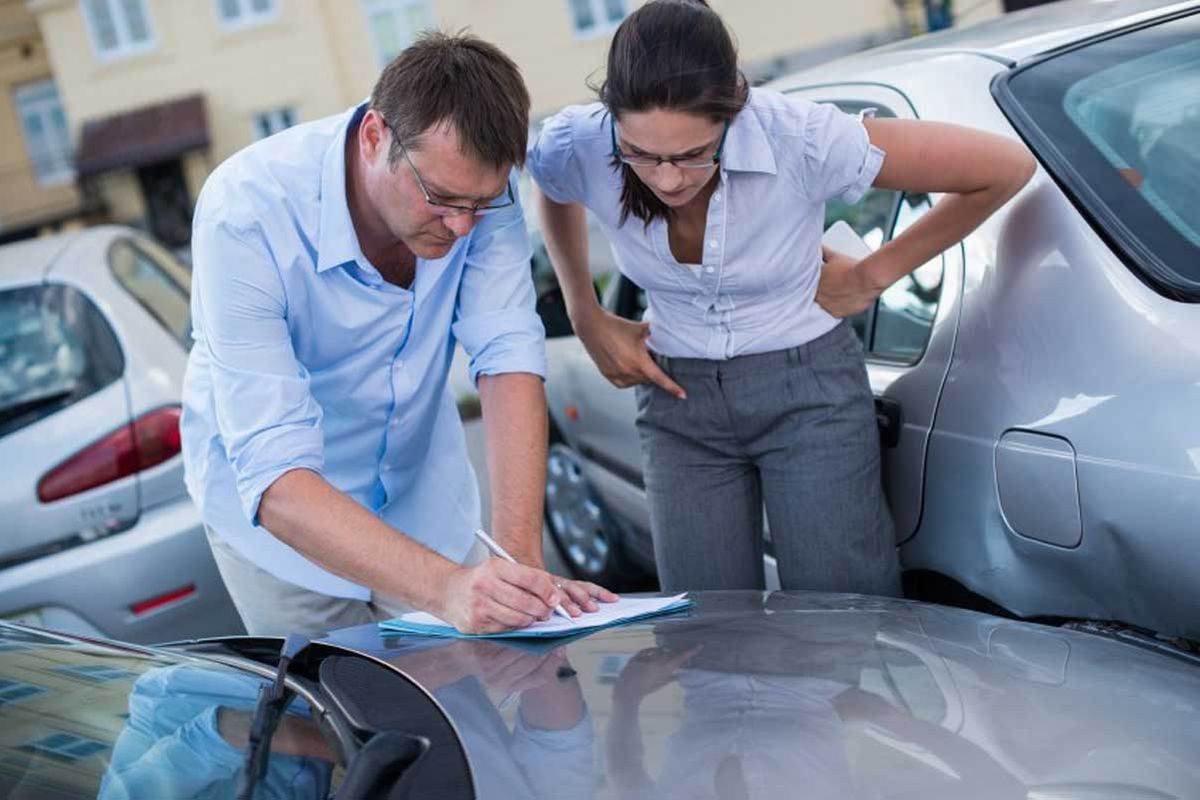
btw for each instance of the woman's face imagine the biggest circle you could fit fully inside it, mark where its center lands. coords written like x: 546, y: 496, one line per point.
x: 676, y: 135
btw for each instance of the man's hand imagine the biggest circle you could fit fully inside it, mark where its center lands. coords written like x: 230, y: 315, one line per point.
x: 618, y: 346
x: 497, y: 596
x: 580, y: 596
x: 845, y: 288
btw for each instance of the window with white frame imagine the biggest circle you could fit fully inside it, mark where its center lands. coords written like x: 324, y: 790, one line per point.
x: 14, y: 691
x: 47, y: 139
x: 395, y: 24
x: 235, y: 14
x: 66, y: 746
x: 596, y: 17
x: 271, y: 122
x: 119, y: 28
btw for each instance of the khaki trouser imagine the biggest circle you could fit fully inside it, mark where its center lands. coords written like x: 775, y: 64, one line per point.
x: 269, y: 606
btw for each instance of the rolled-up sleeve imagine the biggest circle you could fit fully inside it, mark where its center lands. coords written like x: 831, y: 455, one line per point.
x: 551, y: 161
x: 839, y: 159
x: 267, y: 418
x: 495, y: 318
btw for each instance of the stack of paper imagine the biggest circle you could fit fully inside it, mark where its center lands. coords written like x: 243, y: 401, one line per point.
x: 626, y: 609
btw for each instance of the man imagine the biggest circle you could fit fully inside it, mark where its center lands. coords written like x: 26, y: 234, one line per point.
x: 335, y: 266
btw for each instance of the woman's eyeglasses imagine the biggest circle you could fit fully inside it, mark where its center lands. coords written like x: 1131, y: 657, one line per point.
x: 683, y: 162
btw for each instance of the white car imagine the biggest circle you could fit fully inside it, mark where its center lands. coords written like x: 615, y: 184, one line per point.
x: 97, y: 533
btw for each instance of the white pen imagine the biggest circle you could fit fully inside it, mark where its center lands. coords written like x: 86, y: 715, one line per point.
x: 494, y: 546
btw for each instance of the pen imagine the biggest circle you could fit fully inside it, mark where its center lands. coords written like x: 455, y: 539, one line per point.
x: 494, y: 546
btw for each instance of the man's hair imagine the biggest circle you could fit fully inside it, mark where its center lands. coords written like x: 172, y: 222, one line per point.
x: 461, y: 81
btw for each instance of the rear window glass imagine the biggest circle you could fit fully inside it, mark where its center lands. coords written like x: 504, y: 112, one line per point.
x: 158, y: 282
x: 1118, y: 123
x: 55, y: 349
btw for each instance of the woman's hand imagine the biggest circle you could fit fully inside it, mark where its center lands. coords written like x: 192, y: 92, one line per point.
x: 618, y: 346
x: 844, y: 289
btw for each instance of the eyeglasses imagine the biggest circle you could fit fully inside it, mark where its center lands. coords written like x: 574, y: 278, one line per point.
x: 684, y: 162
x: 452, y: 210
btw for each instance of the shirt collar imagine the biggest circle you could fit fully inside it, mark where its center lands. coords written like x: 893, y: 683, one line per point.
x: 747, y: 147
x: 337, y: 242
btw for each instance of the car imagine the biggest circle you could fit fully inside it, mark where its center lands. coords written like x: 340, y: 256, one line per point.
x: 1037, y: 386
x: 814, y: 695
x: 92, y: 718
x: 99, y: 534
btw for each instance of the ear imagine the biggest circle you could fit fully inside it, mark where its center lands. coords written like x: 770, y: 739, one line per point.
x: 373, y: 136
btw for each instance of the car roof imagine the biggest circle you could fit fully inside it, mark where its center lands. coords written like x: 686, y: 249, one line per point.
x: 1021, y: 34
x: 33, y: 260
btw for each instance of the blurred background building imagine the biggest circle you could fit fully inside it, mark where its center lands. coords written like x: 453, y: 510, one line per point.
x: 117, y: 110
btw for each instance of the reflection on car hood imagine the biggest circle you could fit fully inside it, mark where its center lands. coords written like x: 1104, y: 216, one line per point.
x: 754, y: 695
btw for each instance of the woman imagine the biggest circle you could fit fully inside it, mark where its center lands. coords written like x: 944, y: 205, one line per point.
x: 751, y: 386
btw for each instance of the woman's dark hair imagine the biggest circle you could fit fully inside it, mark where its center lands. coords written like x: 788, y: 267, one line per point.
x: 675, y: 55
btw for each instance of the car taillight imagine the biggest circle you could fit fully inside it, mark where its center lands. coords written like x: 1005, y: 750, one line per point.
x: 149, y: 440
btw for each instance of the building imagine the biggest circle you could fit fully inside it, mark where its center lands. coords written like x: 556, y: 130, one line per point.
x: 37, y: 177
x: 157, y: 92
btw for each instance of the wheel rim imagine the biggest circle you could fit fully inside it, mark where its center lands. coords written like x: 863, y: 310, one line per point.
x: 575, y: 519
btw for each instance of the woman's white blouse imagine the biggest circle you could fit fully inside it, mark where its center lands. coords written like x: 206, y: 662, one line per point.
x: 753, y: 291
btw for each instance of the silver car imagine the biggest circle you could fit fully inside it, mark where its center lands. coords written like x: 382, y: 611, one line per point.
x: 783, y: 695
x: 97, y: 533
x: 1037, y: 387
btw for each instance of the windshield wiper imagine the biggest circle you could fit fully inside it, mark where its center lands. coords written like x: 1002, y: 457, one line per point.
x: 273, y: 700
x: 20, y: 409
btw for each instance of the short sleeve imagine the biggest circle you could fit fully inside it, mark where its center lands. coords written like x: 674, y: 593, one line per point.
x: 839, y: 160
x: 551, y: 158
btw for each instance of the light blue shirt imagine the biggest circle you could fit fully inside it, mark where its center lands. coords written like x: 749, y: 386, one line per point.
x: 305, y: 357
x: 754, y: 290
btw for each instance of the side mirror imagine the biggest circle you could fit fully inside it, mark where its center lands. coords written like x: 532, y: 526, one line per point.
x: 552, y: 308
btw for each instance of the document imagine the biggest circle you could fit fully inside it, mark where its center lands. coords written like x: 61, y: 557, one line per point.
x: 627, y: 609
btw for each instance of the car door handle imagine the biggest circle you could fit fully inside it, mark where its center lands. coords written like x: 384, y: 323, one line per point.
x: 887, y: 416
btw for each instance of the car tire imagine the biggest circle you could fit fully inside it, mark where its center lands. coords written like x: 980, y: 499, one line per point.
x: 586, y: 535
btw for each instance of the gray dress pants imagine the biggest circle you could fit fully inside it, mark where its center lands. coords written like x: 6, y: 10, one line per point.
x: 793, y: 430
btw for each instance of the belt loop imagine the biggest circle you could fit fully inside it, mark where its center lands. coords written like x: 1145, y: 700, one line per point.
x: 794, y: 355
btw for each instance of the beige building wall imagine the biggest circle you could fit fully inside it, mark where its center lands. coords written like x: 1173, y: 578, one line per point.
x: 23, y: 61
x: 318, y: 57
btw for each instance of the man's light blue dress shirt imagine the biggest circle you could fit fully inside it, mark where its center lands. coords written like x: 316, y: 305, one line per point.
x: 305, y: 357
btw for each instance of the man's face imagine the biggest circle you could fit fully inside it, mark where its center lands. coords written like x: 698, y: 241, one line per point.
x: 449, y: 176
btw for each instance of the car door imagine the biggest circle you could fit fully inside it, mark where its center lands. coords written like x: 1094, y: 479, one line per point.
x: 908, y: 334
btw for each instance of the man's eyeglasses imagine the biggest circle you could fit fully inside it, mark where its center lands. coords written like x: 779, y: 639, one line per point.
x: 684, y: 162
x: 452, y: 210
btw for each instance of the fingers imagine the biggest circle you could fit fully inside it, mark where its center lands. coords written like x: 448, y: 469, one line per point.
x: 659, y: 378
x: 585, y: 595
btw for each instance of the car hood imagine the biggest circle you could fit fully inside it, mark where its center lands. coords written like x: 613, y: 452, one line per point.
x: 772, y: 695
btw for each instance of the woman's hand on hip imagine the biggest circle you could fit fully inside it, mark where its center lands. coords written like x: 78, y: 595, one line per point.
x: 844, y: 288
x: 618, y: 346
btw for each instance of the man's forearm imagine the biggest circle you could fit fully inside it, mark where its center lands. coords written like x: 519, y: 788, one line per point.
x: 515, y: 426
x: 307, y: 513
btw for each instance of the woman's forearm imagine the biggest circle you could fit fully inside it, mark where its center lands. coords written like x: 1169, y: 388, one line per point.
x: 564, y: 228
x: 950, y: 221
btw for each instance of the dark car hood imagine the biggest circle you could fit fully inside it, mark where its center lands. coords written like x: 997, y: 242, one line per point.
x: 775, y: 695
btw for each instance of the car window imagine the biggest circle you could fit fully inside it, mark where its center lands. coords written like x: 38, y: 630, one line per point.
x: 55, y: 349
x: 156, y: 281
x: 905, y: 311
x: 90, y: 724
x: 1117, y: 122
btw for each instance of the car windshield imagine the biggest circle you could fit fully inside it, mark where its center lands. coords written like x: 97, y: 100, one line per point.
x: 1118, y: 122
x: 83, y: 722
